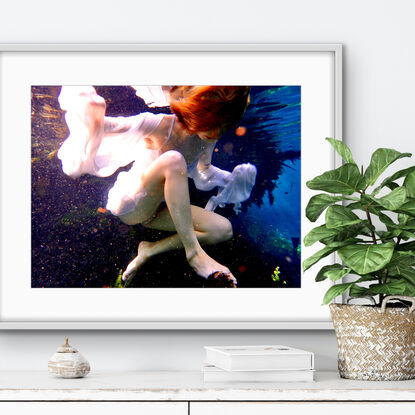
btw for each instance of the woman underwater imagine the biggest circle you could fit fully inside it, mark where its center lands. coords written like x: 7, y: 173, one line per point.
x: 166, y: 149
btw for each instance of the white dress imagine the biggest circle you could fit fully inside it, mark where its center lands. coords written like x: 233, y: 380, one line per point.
x: 99, y: 145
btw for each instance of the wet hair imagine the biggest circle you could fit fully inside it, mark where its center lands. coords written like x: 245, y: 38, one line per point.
x: 204, y: 108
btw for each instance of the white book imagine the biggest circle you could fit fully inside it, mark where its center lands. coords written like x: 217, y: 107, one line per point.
x: 214, y: 374
x: 247, y: 358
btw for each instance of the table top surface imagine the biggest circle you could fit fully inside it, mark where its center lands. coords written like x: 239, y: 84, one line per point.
x: 189, y: 386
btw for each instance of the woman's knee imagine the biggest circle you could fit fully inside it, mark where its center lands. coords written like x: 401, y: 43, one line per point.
x: 222, y: 231
x: 173, y: 162
x: 227, y: 230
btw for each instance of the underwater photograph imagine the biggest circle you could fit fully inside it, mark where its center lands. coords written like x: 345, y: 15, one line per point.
x: 166, y: 186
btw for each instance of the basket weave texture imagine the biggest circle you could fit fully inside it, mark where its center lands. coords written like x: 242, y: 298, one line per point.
x: 373, y: 345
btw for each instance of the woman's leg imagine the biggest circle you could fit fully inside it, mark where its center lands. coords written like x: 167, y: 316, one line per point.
x: 168, y: 175
x: 210, y: 229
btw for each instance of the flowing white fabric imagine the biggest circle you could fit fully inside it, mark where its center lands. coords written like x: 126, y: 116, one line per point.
x: 99, y: 145
x: 154, y: 95
x: 96, y: 144
x: 237, y: 189
x: 209, y: 178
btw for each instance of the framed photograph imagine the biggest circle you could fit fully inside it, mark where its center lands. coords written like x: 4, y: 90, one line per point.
x: 163, y: 186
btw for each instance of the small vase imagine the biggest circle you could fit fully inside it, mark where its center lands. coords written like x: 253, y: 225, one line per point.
x: 67, y: 362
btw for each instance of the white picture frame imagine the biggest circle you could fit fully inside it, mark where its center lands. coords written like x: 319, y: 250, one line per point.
x: 317, y: 67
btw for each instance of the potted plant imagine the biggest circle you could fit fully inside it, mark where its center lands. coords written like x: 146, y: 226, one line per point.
x: 371, y: 227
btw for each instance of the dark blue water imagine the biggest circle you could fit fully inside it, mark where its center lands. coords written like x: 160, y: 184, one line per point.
x: 75, y: 243
x: 280, y: 131
x: 272, y: 216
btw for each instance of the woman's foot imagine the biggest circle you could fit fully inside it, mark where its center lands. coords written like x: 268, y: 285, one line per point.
x: 220, y: 279
x: 143, y: 254
x: 206, y: 267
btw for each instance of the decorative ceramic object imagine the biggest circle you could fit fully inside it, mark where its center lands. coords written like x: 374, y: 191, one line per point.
x: 67, y: 362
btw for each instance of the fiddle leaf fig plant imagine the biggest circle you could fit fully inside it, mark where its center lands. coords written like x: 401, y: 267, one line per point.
x: 381, y: 258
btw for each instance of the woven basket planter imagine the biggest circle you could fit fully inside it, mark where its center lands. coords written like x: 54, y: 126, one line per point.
x: 375, y: 343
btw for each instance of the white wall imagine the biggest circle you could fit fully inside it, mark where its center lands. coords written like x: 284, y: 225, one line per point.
x: 379, y: 109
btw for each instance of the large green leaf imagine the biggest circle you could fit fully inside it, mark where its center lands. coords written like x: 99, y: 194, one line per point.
x: 327, y: 250
x: 405, y: 221
x: 349, y: 233
x: 310, y: 261
x: 375, y: 209
x: 369, y: 200
x: 345, y: 179
x: 394, y: 233
x: 408, y: 273
x: 391, y: 225
x: 337, y: 274
x: 409, y: 246
x: 338, y: 216
x: 358, y: 291
x: 404, y: 270
x: 397, y: 287
x: 367, y: 277
x: 402, y: 218
x: 403, y: 258
x: 392, y: 185
x: 406, y: 236
x: 408, y: 208
x: 334, y: 272
x: 409, y: 183
x: 318, y: 203
x: 381, y: 159
x: 384, y: 235
x: 394, y: 200
x: 386, y: 219
x: 319, y: 233
x: 410, y: 289
x: 321, y: 275
x: 364, y: 259
x: 336, y: 290
x: 362, y: 228
x: 341, y: 148
x: 391, y: 179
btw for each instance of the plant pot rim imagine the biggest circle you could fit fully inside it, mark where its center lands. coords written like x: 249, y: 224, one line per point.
x: 371, y: 307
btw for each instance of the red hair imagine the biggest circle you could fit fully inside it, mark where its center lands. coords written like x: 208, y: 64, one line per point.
x: 204, y: 108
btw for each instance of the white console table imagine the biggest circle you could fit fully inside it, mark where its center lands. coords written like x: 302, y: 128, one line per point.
x: 185, y: 393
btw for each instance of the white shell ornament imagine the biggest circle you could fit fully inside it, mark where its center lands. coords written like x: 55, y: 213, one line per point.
x: 67, y: 362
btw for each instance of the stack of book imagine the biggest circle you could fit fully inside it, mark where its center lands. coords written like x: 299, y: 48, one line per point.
x: 257, y: 364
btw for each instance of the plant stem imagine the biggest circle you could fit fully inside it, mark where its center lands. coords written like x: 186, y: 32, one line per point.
x: 370, y: 221
x: 383, y: 280
x: 373, y: 238
x: 375, y: 243
x: 371, y: 241
x: 385, y: 277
